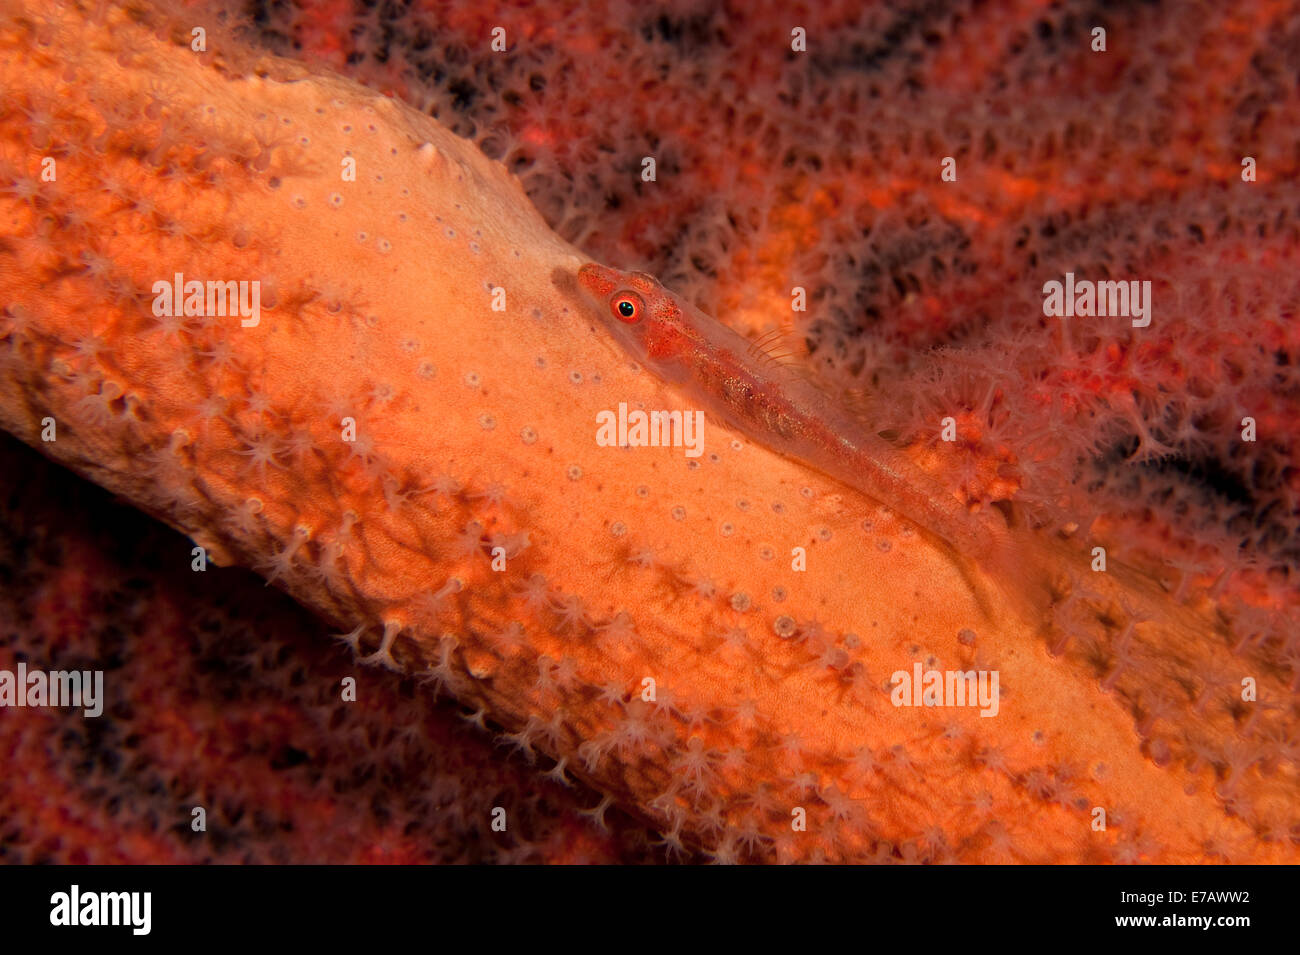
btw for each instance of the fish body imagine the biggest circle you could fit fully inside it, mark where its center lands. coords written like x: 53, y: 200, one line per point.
x: 751, y: 393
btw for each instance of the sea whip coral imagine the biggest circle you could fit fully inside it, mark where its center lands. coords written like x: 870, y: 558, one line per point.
x: 356, y: 443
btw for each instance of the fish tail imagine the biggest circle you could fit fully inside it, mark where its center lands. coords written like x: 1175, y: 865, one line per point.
x: 1018, y: 571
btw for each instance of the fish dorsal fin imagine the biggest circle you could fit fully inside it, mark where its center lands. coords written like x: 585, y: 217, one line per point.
x: 782, y: 352
x: 861, y: 406
x: 780, y: 347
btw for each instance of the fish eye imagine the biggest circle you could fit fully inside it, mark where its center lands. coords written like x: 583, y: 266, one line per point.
x: 628, y: 307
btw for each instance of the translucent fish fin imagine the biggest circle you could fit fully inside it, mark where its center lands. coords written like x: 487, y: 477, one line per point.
x: 858, y: 403
x: 780, y: 346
